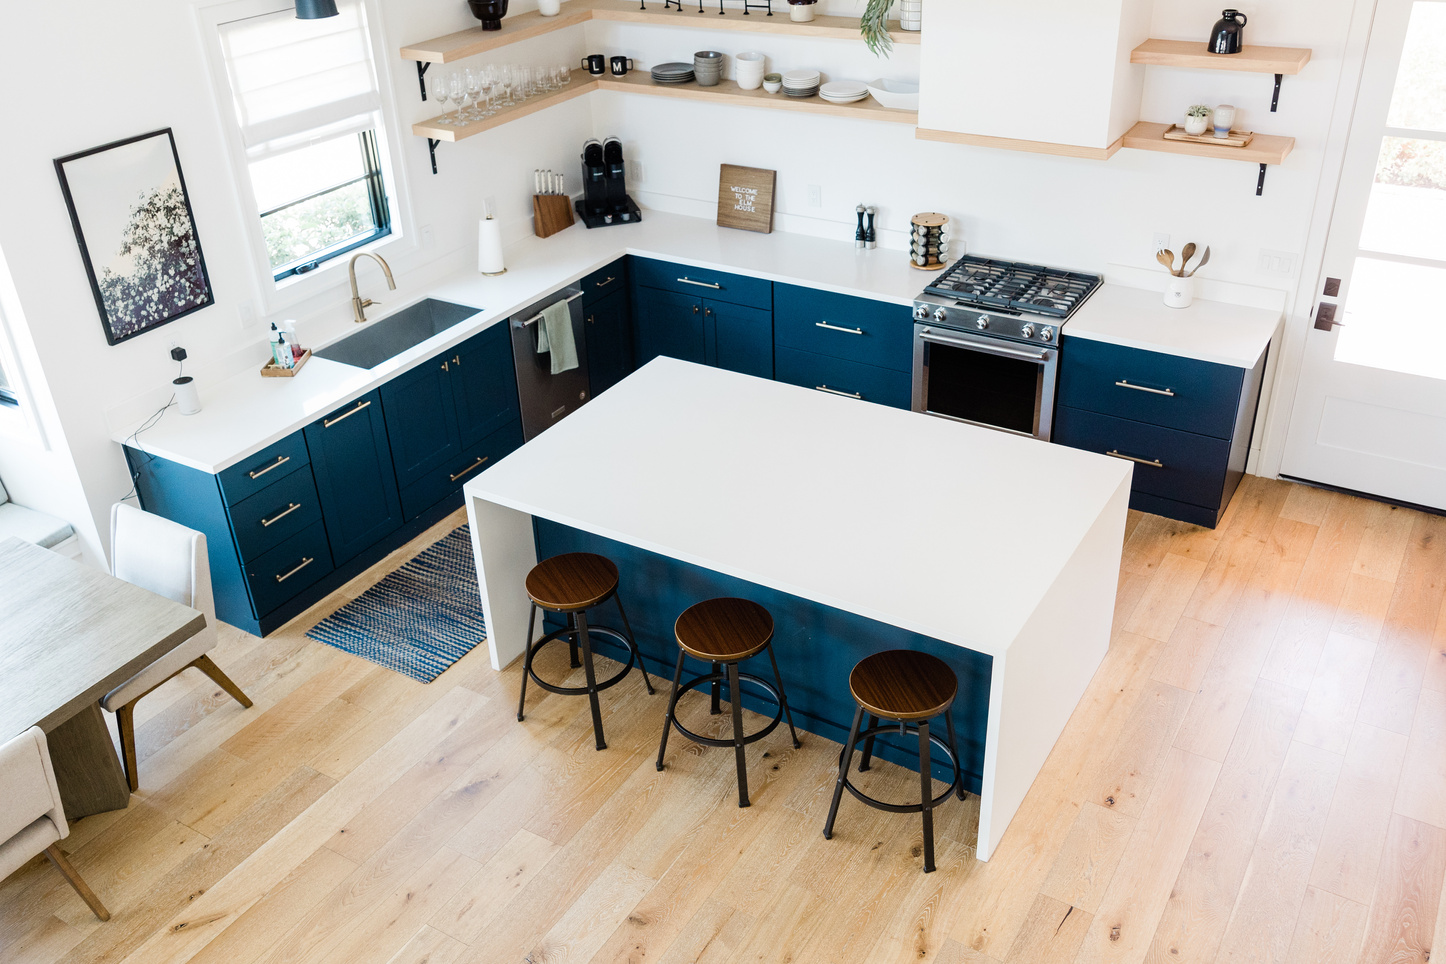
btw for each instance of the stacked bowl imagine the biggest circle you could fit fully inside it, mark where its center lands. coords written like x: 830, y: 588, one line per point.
x: 801, y: 83
x: 748, y: 70
x: 843, y: 91
x: 672, y: 73
x: 708, y: 67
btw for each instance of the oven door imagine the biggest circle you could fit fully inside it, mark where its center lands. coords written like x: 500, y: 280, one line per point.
x: 984, y: 381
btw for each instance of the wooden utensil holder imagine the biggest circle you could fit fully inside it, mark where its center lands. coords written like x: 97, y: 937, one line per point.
x: 273, y: 370
x: 550, y: 214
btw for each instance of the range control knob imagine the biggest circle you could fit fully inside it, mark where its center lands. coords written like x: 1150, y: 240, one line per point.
x: 921, y: 313
x: 983, y: 321
x: 1046, y: 334
x: 940, y: 315
x: 1027, y: 331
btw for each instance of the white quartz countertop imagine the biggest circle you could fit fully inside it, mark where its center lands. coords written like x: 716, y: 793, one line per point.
x: 922, y: 523
x: 1209, y: 331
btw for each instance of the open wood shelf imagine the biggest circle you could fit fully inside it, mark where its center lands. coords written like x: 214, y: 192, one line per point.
x: 522, y: 26
x: 436, y: 131
x: 1014, y: 144
x: 728, y: 92
x: 1263, y: 149
x: 1193, y: 54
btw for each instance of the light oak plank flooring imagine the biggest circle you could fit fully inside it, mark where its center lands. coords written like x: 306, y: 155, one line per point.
x: 1255, y: 774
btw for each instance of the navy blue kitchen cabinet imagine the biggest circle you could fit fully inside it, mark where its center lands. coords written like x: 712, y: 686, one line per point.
x: 668, y: 323
x: 703, y: 316
x: 855, y: 347
x: 355, y: 480
x: 484, y: 384
x: 609, y: 341
x: 421, y: 420
x: 1184, y: 423
x: 738, y: 338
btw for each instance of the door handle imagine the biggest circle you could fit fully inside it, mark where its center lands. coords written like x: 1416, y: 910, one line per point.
x: 1134, y: 458
x: 328, y: 423
x: 1141, y: 388
x: 444, y: 366
x: 470, y: 467
x: 695, y: 309
x: 305, y: 561
x: 849, y: 331
x: 701, y: 284
x: 457, y: 360
x: 835, y: 391
x: 1325, y: 317
x: 280, y: 460
x: 610, y: 280
x: 281, y: 515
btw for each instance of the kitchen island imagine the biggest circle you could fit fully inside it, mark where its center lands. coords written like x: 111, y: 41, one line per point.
x: 860, y: 527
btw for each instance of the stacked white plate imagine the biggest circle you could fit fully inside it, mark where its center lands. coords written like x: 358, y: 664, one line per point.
x: 801, y: 83
x: 843, y: 91
x: 673, y: 73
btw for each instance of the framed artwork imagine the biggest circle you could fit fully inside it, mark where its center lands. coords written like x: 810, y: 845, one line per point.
x: 137, y: 236
x: 745, y: 198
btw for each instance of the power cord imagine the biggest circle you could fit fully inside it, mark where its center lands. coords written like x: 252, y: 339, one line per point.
x: 133, y: 440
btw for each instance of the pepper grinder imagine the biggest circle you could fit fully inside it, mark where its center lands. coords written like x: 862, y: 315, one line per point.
x: 871, y: 239
x: 859, y: 235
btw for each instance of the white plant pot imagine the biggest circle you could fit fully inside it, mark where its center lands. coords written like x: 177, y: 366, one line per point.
x: 1196, y: 125
x: 911, y: 14
x: 549, y: 8
x: 801, y: 12
x: 1179, y: 292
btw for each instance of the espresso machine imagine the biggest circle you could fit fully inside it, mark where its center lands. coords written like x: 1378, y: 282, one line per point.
x: 604, y: 188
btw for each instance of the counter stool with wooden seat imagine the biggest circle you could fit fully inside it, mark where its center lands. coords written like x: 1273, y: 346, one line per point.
x: 571, y: 584
x: 910, y: 689
x: 724, y: 632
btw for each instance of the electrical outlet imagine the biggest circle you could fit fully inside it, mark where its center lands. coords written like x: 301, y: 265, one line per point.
x: 425, y: 234
x: 635, y: 168
x: 1162, y: 241
x: 246, y: 311
x: 1276, y: 262
x: 815, y: 196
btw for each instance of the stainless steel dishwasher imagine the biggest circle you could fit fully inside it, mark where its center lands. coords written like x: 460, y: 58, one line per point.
x: 546, y: 397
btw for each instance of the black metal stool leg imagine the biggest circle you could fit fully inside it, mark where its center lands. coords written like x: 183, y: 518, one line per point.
x: 597, y: 727
x: 527, y: 660
x: 953, y: 745
x: 845, y: 758
x: 717, y: 706
x: 627, y: 628
x: 778, y: 678
x: 868, y: 757
x: 672, y: 704
x: 735, y: 699
x: 926, y: 785
x: 572, y: 640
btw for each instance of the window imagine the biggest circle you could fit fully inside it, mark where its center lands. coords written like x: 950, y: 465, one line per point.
x: 7, y: 394
x: 308, y: 112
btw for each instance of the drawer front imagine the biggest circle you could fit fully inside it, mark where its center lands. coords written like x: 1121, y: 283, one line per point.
x: 274, y: 515
x: 841, y: 376
x: 858, y: 329
x: 703, y: 283
x: 422, y: 495
x: 283, y: 572
x: 267, y: 467
x: 1148, y: 386
x: 604, y: 281
x: 1192, y: 467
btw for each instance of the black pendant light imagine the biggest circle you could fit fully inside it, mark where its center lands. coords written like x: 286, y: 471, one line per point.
x: 315, y: 9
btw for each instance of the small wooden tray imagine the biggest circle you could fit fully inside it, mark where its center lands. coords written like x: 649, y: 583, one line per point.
x: 1236, y: 139
x: 551, y: 213
x: 273, y: 370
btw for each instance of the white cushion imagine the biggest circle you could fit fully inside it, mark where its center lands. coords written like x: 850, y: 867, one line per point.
x: 32, y: 817
x: 37, y: 527
x: 31, y: 840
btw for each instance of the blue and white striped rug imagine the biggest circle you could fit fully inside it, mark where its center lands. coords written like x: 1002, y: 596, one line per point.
x: 420, y: 618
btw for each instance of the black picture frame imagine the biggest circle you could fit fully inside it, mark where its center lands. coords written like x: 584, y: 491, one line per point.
x: 126, y: 212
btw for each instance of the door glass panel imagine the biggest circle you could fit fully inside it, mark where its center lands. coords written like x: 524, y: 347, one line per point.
x: 984, y: 388
x: 1406, y: 213
x: 1419, y: 100
x: 1393, y: 319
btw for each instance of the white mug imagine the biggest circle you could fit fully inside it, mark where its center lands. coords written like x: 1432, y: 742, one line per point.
x: 549, y: 8
x: 1224, y: 119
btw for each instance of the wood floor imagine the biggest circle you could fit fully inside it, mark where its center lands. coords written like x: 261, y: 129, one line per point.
x: 1257, y: 773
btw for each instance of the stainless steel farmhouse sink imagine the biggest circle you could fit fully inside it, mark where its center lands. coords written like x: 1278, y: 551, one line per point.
x: 394, y: 334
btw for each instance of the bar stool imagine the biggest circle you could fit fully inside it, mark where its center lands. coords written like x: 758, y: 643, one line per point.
x: 573, y: 583
x: 725, y: 632
x: 909, y: 688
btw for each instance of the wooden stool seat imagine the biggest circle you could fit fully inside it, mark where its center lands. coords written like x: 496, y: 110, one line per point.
x: 726, y: 630
x: 901, y: 684
x: 572, y: 581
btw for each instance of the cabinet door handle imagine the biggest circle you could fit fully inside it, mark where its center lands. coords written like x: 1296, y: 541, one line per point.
x: 590, y: 319
x: 470, y: 467
x: 610, y: 280
x: 280, y: 460
x: 701, y: 284
x: 444, y: 366
x: 835, y: 391
x: 850, y: 331
x: 707, y: 311
x: 281, y: 515
x: 695, y: 309
x: 328, y: 423
x: 305, y: 561
x: 457, y: 360
x: 1134, y: 458
x: 1141, y: 388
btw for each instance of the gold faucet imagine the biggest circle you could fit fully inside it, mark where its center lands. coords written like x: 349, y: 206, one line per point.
x: 357, y: 304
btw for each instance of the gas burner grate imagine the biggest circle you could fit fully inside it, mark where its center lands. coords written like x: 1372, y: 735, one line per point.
x: 987, y: 283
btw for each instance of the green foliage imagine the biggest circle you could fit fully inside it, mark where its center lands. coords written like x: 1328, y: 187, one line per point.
x: 1412, y: 163
x: 1198, y: 110
x: 295, y: 232
x: 164, y: 277
x: 875, y: 29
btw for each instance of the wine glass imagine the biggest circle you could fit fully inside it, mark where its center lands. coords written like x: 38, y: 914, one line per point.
x: 488, y: 77
x: 524, y: 83
x: 505, y: 79
x: 439, y: 94
x: 544, y: 79
x: 457, y: 89
x: 474, y: 87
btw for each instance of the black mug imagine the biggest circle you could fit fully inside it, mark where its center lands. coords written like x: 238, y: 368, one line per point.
x: 621, y: 65
x: 595, y: 63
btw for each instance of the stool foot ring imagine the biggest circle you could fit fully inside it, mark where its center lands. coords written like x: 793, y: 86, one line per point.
x: 579, y: 690
x: 905, y: 807
x: 723, y: 677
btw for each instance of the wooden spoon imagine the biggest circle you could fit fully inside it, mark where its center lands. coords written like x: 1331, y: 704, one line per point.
x: 1166, y: 257
x: 1204, y: 260
x: 1186, y: 254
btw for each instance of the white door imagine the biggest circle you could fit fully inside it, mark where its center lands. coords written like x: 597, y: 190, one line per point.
x: 1370, y: 407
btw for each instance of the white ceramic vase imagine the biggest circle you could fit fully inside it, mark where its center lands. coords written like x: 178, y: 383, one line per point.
x: 1196, y: 125
x: 801, y: 12
x: 1179, y: 292
x: 911, y: 14
x: 549, y: 8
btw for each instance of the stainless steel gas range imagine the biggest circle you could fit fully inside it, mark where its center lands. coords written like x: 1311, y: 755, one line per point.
x: 986, y: 342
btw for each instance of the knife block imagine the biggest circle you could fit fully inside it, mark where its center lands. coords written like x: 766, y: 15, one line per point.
x: 550, y: 214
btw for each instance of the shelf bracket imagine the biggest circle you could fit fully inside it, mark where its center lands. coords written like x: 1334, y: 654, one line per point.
x: 1275, y: 97
x: 1259, y: 182
x: 432, y: 143
x: 422, y: 66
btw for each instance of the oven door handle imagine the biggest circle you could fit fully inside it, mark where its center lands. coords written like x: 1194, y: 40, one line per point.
x: 928, y: 334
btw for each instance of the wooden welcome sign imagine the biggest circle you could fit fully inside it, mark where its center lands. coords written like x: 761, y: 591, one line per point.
x: 745, y: 198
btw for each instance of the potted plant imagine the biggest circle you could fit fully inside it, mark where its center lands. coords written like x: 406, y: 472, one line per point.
x: 801, y: 11
x: 1196, y: 119
x: 874, y: 23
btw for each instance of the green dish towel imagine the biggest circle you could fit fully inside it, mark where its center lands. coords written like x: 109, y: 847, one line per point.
x: 554, y: 334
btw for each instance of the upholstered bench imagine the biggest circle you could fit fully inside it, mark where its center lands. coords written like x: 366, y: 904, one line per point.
x: 44, y: 530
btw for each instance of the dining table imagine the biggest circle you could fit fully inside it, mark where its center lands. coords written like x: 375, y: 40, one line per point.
x: 69, y: 634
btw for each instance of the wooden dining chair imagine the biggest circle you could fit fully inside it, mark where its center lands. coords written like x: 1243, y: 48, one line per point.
x: 170, y: 560
x: 32, y: 820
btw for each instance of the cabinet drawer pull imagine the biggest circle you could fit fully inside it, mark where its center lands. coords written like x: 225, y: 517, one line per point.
x: 701, y: 284
x: 470, y: 467
x: 282, y: 514
x: 1141, y: 388
x: 280, y: 460
x: 305, y: 561
x: 850, y: 331
x: 835, y: 391
x: 328, y: 423
x: 610, y: 280
x: 1135, y: 458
